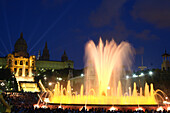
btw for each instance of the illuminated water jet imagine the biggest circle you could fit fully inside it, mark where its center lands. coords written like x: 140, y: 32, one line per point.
x: 105, y: 65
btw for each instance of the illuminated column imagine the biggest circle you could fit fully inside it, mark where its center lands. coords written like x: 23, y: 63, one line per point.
x: 17, y: 72
x: 23, y: 70
x: 30, y: 72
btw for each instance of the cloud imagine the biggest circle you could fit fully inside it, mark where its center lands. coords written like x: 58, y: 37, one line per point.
x: 156, y: 12
x: 145, y: 35
x: 108, y: 11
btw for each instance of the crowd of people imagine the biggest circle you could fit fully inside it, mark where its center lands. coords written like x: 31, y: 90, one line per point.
x: 60, y: 110
x: 23, y: 103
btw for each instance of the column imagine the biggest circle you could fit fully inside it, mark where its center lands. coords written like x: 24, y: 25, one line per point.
x: 30, y: 72
x: 17, y: 72
x: 23, y: 70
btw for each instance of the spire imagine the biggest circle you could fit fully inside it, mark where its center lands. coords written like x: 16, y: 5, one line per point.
x: 46, y: 44
x: 64, y: 53
x: 64, y: 57
x: 165, y: 51
x: 21, y: 35
x: 45, y: 55
x: 165, y: 54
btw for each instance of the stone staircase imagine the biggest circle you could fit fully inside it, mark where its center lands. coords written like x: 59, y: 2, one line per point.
x: 29, y: 86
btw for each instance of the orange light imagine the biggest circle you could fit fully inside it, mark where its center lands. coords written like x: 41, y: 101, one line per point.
x: 139, y: 109
x: 160, y: 108
x: 36, y: 106
x: 168, y: 108
x: 113, y: 109
x: 44, y: 106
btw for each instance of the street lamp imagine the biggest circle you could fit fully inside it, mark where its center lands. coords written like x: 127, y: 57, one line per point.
x: 134, y: 75
x: 82, y: 74
x: 150, y: 73
x: 49, y: 83
x: 127, y: 76
x: 142, y: 74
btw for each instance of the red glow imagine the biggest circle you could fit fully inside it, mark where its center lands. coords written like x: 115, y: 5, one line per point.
x: 139, y: 109
x: 160, y: 108
x: 113, y: 109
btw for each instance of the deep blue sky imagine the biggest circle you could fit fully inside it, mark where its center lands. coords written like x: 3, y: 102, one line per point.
x: 69, y: 24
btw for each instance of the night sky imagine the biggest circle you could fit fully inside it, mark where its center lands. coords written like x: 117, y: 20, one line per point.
x: 69, y: 24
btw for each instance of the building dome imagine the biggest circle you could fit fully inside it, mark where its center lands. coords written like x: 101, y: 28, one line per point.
x: 21, y: 47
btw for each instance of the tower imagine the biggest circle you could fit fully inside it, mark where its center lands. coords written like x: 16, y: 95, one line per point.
x: 64, y: 57
x: 142, y: 67
x: 45, y: 55
x: 165, y: 64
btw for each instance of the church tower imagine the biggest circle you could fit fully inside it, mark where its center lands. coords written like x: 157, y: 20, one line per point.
x: 165, y: 64
x: 64, y: 57
x: 45, y: 55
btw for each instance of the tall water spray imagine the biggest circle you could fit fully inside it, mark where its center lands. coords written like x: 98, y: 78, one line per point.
x: 105, y: 64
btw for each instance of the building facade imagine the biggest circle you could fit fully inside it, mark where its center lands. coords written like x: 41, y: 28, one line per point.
x: 22, y: 65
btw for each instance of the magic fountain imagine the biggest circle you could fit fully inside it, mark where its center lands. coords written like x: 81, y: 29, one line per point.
x: 105, y: 65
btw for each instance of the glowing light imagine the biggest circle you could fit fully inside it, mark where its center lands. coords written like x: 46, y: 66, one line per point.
x: 168, y: 108
x: 108, y: 87
x: 113, y: 109
x: 59, y: 78
x: 139, y: 109
x: 160, y: 109
x: 36, y: 106
x: 134, y: 75
x: 165, y: 102
x: 2, y: 84
x: 44, y: 106
x: 82, y: 74
x: 166, y: 98
x: 150, y: 73
x: 142, y: 74
x: 46, y: 100
x: 127, y: 77
x: 60, y: 107
x: 45, y: 78
x: 49, y: 83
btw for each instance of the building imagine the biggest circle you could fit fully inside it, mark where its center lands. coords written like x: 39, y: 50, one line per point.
x: 24, y: 66
x: 165, y: 64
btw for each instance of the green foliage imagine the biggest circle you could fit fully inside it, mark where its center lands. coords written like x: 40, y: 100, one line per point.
x: 160, y: 80
x: 11, y: 83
